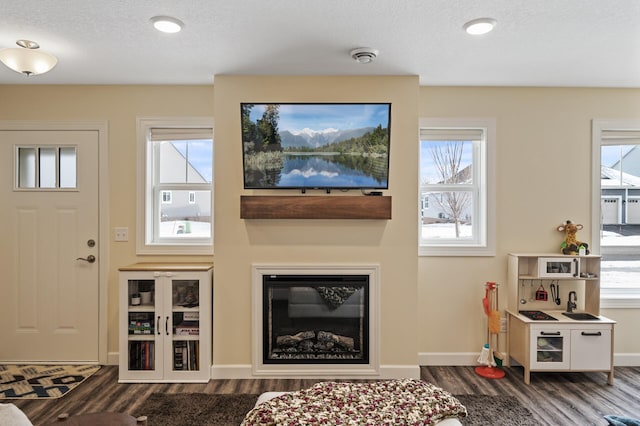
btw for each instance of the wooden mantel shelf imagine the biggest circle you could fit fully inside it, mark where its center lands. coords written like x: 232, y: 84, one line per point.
x: 314, y: 207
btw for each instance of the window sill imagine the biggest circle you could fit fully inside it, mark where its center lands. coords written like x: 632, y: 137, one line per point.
x: 456, y: 251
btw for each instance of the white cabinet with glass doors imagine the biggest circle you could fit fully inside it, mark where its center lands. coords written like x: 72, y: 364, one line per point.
x: 165, y: 322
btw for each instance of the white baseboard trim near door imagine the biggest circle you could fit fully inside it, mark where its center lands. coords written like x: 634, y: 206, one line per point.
x: 113, y: 358
x: 244, y: 371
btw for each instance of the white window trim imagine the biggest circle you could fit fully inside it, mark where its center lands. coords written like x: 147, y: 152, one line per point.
x: 488, y: 210
x: 144, y: 125
x: 609, y: 298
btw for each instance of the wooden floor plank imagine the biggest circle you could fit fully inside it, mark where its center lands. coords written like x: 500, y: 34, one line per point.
x: 553, y: 398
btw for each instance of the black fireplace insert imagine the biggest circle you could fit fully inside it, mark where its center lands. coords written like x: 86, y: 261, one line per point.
x: 315, y: 319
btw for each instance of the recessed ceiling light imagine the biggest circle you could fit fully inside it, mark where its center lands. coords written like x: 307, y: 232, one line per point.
x: 167, y: 24
x: 479, y: 26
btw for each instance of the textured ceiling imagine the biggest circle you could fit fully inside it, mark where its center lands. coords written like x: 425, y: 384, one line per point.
x: 589, y: 43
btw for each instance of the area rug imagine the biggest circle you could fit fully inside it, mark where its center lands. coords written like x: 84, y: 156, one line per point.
x: 199, y: 409
x: 496, y: 411
x: 196, y: 409
x: 41, y: 381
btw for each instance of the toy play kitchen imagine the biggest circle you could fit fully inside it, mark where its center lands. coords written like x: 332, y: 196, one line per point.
x: 553, y: 315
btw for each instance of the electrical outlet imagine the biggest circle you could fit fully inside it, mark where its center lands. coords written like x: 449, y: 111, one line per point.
x: 503, y: 325
x: 121, y: 234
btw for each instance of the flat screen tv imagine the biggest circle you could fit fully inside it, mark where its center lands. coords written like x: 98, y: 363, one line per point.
x: 316, y: 146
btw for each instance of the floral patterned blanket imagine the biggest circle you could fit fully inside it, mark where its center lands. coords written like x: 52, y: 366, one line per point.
x: 388, y: 402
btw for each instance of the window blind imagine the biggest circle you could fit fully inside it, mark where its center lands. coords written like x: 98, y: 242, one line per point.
x: 433, y: 134
x: 612, y: 137
x: 180, y: 134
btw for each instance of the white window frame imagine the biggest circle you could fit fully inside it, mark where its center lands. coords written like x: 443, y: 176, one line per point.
x: 484, y: 187
x: 146, y: 196
x: 609, y: 297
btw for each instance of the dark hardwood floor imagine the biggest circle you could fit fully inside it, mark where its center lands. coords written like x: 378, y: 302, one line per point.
x: 553, y: 398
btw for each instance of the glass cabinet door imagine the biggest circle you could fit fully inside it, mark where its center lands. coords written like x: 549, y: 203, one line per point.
x: 142, y: 324
x: 185, y: 311
x: 550, y: 350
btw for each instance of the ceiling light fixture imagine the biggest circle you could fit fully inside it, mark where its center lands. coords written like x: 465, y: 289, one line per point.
x: 167, y: 24
x: 364, y: 55
x: 27, y: 59
x: 479, y: 26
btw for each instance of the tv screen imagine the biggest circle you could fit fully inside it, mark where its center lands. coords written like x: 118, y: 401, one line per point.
x: 316, y: 146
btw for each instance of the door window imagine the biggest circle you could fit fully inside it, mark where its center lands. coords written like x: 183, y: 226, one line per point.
x: 45, y: 167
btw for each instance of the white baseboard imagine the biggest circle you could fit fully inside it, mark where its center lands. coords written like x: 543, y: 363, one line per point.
x: 626, y: 360
x: 113, y: 358
x: 465, y: 358
x: 448, y: 358
x: 231, y: 371
x: 244, y: 371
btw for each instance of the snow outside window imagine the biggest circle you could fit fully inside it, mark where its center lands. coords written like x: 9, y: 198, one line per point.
x: 616, y: 211
x: 456, y: 196
x: 175, y: 210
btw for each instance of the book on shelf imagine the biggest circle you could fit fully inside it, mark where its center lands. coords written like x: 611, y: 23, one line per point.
x: 186, y: 354
x: 188, y: 328
x: 187, y: 332
x: 191, y: 316
x: 141, y: 355
x: 140, y: 327
x: 141, y: 323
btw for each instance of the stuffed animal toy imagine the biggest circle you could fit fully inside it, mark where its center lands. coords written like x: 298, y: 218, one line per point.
x: 571, y: 245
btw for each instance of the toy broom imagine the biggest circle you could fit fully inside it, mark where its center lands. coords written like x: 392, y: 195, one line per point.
x: 488, y: 356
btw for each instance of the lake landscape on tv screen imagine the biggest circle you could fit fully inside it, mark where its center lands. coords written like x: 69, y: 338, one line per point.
x: 343, y: 146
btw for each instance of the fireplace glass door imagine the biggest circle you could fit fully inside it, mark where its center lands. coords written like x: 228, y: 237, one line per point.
x: 315, y: 319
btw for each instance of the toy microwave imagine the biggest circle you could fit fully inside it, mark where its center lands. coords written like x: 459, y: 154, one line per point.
x: 558, y: 267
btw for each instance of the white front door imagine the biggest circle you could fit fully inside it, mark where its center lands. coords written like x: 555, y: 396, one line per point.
x: 49, y: 223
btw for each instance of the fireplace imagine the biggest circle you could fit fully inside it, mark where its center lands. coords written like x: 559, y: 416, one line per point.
x: 318, y: 319
x: 315, y: 320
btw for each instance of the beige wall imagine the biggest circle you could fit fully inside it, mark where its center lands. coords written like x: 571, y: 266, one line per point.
x: 544, y: 148
x: 119, y: 106
x: 239, y: 243
x: 543, y: 178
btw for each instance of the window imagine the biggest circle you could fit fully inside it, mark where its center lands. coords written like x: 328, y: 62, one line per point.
x: 457, y: 187
x: 45, y: 167
x: 175, y: 184
x: 616, y: 210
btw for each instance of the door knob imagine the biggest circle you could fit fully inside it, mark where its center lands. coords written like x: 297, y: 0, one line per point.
x: 91, y: 258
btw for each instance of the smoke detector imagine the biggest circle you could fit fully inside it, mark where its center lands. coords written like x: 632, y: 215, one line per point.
x: 364, y: 55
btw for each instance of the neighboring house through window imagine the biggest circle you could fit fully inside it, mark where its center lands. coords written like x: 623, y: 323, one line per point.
x: 175, y: 211
x: 616, y: 210
x: 457, y: 187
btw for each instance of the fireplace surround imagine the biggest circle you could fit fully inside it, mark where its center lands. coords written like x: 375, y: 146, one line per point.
x: 315, y: 320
